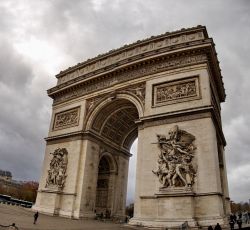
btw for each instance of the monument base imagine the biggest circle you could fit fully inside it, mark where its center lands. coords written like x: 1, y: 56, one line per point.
x: 178, y: 223
x: 49, y: 202
x: 175, y: 207
x: 164, y: 223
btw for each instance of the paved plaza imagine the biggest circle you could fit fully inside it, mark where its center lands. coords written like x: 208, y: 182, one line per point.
x: 23, y: 218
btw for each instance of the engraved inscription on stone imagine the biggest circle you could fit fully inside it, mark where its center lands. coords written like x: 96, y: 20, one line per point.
x: 176, y: 91
x: 66, y: 119
x: 57, y: 169
x: 175, y: 161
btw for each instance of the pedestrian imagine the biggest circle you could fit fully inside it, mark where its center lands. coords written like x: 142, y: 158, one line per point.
x: 239, y: 222
x: 35, y: 217
x: 235, y: 218
x: 210, y: 227
x: 217, y: 227
x: 231, y: 223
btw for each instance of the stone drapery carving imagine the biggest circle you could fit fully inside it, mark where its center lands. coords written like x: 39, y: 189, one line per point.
x: 148, y: 69
x: 66, y: 119
x: 177, y: 91
x: 175, y: 162
x: 57, y: 169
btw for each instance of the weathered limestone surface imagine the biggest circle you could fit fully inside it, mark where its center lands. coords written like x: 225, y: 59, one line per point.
x: 165, y: 90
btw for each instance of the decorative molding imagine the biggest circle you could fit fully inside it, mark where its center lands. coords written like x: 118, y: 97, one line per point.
x: 155, y: 196
x: 133, y: 73
x: 176, y: 170
x: 57, y: 169
x: 92, y: 102
x: 66, y: 119
x: 130, y: 51
x: 138, y: 91
x: 176, y: 117
x: 176, y: 91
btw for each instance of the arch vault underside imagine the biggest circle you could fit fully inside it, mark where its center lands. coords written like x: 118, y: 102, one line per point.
x: 165, y: 90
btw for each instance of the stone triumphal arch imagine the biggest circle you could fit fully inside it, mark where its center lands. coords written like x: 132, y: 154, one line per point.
x: 165, y: 90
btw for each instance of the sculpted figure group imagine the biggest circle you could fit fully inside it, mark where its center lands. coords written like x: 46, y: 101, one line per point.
x: 176, y: 91
x: 58, y: 167
x: 175, y: 166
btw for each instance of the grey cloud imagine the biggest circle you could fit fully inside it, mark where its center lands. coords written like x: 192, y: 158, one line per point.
x: 21, y: 127
x: 14, y: 72
x: 84, y: 29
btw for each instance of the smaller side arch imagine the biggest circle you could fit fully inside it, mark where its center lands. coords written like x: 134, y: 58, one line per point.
x: 111, y: 160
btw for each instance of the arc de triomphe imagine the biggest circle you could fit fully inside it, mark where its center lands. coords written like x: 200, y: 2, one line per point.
x: 166, y: 90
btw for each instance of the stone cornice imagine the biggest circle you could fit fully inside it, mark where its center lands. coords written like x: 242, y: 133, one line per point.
x: 136, y: 71
x: 195, y: 194
x: 139, y: 52
x: 124, y: 65
x: 139, y: 47
x: 86, y: 135
x: 189, y: 114
x: 143, y: 122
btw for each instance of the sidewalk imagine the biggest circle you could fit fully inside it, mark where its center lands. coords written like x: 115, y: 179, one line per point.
x: 23, y: 219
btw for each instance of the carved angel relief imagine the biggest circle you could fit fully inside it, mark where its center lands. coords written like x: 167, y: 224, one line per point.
x: 57, y: 171
x: 175, y: 162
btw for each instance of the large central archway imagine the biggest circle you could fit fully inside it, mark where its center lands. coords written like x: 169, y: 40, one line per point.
x: 113, y: 122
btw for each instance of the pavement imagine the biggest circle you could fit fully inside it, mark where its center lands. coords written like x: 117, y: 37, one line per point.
x: 23, y: 218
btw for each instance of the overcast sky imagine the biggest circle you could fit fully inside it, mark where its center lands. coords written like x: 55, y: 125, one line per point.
x: 39, y: 38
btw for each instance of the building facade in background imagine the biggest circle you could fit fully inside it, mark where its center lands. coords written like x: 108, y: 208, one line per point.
x: 5, y: 175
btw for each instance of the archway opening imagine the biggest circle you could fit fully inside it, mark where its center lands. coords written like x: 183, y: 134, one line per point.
x: 115, y: 122
x: 115, y: 128
x: 103, y: 186
x: 131, y: 180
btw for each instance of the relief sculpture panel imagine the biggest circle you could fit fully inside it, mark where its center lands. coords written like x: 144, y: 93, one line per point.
x: 57, y: 169
x: 176, y: 91
x: 175, y: 161
x: 66, y: 119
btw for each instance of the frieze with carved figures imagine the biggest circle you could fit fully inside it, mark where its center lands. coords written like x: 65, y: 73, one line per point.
x: 176, y: 91
x: 66, y: 119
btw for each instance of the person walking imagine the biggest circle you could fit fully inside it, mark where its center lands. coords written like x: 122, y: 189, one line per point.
x: 231, y: 223
x: 239, y: 222
x: 210, y: 227
x: 35, y: 217
x: 217, y: 227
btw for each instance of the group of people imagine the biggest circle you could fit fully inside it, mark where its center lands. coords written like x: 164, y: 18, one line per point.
x: 233, y: 219
x: 216, y: 227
